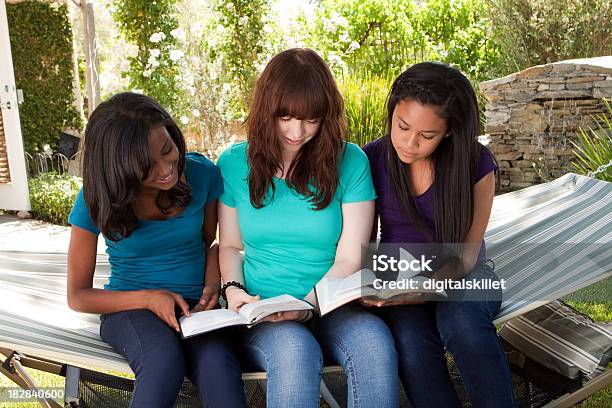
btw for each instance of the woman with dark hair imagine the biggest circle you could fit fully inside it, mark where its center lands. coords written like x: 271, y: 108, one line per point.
x: 299, y: 201
x: 156, y: 207
x: 435, y: 184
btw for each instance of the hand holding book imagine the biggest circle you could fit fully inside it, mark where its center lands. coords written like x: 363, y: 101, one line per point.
x: 249, y: 314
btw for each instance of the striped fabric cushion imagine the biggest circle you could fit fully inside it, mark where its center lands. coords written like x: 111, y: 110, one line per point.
x: 562, y: 339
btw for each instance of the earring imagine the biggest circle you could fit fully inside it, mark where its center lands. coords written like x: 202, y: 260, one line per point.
x: 448, y: 134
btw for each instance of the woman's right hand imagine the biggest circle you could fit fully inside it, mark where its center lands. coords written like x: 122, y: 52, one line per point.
x: 236, y: 298
x: 163, y: 304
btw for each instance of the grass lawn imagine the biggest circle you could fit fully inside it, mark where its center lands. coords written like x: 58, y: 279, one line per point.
x: 596, y: 301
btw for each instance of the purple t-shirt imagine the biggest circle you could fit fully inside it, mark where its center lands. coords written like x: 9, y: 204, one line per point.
x: 395, y: 225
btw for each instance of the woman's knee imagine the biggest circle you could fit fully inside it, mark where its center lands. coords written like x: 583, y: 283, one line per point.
x: 148, y: 344
x: 413, y: 327
x: 286, y: 346
x: 465, y: 326
x: 357, y: 335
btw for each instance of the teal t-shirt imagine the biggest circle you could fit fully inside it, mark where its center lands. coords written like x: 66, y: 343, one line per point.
x: 162, y: 254
x: 288, y: 246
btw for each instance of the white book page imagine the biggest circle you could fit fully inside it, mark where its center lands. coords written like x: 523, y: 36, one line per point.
x: 335, y: 292
x: 209, y: 320
x: 255, y: 311
x: 354, y: 281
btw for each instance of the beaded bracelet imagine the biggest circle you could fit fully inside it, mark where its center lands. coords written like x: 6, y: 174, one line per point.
x: 227, y: 285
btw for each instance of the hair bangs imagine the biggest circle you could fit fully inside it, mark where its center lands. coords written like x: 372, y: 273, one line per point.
x: 304, y: 98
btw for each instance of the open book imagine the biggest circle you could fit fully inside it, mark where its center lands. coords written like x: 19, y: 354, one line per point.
x: 249, y: 314
x: 335, y: 292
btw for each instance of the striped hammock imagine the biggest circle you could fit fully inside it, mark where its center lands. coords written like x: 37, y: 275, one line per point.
x: 547, y: 241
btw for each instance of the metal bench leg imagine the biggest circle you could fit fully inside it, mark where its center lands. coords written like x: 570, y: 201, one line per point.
x: 589, y: 388
x: 12, y: 368
x: 327, y: 396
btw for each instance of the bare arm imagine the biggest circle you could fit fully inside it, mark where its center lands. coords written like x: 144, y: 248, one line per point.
x: 357, y: 221
x: 82, y: 297
x: 212, y: 276
x: 230, y: 257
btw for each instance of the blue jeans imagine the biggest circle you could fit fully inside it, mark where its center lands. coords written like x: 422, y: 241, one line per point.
x: 292, y: 358
x: 424, y: 332
x: 160, y: 360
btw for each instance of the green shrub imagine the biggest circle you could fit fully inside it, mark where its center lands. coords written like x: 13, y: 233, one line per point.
x: 594, y: 146
x: 150, y: 26
x: 365, y: 97
x: 534, y: 32
x: 41, y: 44
x: 387, y: 36
x: 52, y: 196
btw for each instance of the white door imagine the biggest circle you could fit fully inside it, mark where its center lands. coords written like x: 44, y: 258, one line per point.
x: 14, y: 183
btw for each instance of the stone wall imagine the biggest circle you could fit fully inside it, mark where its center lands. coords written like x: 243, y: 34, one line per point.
x: 5, y: 176
x: 533, y: 115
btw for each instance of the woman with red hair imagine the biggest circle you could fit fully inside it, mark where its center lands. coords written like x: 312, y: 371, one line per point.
x: 299, y: 201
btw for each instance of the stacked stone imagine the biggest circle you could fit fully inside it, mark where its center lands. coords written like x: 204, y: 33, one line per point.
x: 5, y: 176
x: 533, y: 115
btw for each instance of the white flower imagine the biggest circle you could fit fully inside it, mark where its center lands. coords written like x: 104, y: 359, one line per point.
x: 178, y: 34
x: 227, y: 88
x: 329, y: 25
x: 338, y: 20
x: 184, y: 120
x: 153, y: 63
x: 157, y: 37
x: 267, y: 28
x: 147, y: 73
x: 192, y: 90
x: 344, y: 37
x: 176, y: 55
x: 195, y: 113
x: 243, y: 20
x: 334, y: 59
x: 353, y: 46
x: 229, y: 7
x: 154, y: 52
x: 138, y: 91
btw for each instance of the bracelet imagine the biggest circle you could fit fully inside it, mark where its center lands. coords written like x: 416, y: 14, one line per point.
x: 309, y: 315
x: 227, y: 285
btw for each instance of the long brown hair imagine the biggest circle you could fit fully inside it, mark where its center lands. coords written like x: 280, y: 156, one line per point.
x: 296, y: 83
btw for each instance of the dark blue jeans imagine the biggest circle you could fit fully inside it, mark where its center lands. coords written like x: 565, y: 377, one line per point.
x: 424, y: 332
x: 160, y: 360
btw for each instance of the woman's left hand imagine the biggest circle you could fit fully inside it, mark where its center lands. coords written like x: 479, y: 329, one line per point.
x: 209, y: 298
x: 282, y: 316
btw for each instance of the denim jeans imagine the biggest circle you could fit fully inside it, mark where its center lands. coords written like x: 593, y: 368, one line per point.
x: 160, y: 360
x: 424, y: 332
x: 292, y: 358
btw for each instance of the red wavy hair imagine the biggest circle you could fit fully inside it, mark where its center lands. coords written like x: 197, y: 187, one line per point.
x: 296, y: 83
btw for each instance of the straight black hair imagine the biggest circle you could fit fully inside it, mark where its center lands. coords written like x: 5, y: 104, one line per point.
x: 116, y: 160
x: 456, y: 157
